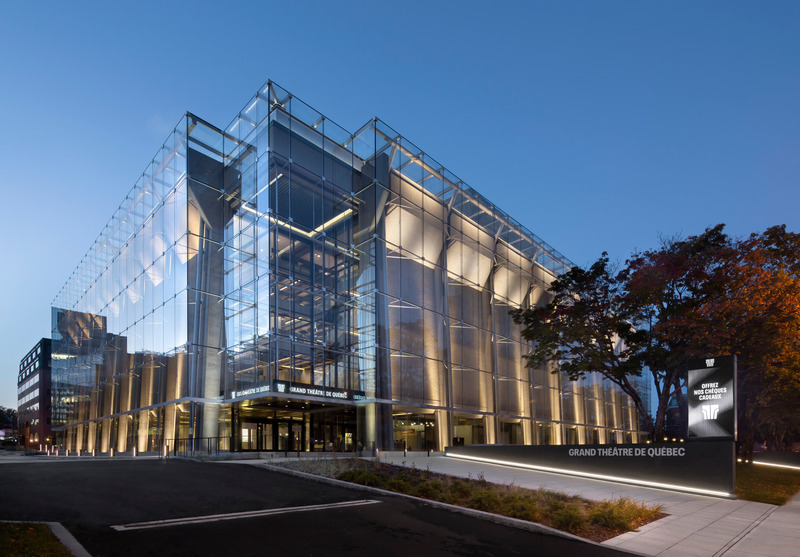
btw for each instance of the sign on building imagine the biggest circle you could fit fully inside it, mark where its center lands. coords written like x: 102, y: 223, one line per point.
x: 712, y: 397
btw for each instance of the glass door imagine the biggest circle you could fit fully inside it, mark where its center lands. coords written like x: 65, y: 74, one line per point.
x: 249, y: 436
x: 266, y: 436
x: 283, y: 436
x: 290, y: 435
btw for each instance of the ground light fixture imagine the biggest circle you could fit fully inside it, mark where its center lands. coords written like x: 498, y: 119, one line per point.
x: 633, y: 481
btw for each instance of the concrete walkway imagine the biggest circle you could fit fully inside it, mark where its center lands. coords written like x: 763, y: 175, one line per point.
x: 697, y: 525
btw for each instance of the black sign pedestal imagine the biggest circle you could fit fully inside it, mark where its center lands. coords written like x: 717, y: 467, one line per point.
x: 703, y: 467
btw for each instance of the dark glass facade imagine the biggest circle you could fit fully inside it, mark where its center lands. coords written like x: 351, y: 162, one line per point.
x: 283, y: 284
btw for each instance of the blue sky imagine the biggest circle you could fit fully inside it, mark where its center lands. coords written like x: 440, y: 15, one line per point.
x: 598, y: 125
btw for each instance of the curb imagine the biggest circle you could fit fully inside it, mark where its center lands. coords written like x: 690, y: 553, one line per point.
x: 64, y: 536
x: 503, y: 520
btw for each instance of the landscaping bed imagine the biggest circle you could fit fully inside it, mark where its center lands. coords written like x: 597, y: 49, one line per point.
x: 594, y: 520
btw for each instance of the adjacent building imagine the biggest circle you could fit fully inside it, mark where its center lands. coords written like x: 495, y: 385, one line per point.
x: 284, y: 284
x: 34, y: 397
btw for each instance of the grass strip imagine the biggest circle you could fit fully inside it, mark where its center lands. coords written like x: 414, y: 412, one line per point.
x: 30, y: 539
x: 766, y: 484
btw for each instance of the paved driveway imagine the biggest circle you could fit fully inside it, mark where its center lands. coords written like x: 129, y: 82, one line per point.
x: 89, y: 496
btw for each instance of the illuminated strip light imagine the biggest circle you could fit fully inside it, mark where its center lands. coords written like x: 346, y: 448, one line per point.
x: 776, y: 465
x: 321, y: 228
x: 644, y: 483
x: 275, y: 179
x: 338, y: 218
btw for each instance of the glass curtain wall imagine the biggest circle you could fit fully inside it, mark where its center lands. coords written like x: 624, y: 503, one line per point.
x: 120, y: 360
x: 285, y: 253
x: 450, y: 267
x: 298, y: 293
x: 290, y: 266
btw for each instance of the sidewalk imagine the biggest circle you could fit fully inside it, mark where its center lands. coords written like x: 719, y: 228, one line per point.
x: 697, y: 525
x: 778, y: 535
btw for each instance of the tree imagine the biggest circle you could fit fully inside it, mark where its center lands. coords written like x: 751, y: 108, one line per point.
x: 8, y: 418
x: 587, y: 327
x: 665, y: 288
x: 704, y: 295
x: 752, y: 309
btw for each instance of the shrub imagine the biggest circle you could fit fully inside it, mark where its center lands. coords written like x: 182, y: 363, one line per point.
x: 350, y: 476
x: 460, y: 489
x: 364, y: 477
x: 622, y: 513
x: 400, y: 485
x: 568, y: 516
x: 562, y: 511
x: 555, y: 497
x: 431, y: 489
x: 522, y: 507
x: 484, y: 500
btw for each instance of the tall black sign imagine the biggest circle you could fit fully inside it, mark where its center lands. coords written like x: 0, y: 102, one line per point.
x: 712, y: 397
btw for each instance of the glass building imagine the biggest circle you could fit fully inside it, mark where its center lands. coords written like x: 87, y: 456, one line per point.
x: 284, y: 284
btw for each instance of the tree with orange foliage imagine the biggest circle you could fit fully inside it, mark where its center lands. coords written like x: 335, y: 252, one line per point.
x: 704, y: 295
x: 755, y: 314
x: 714, y: 295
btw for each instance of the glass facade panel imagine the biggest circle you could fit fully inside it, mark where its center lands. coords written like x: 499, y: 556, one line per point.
x: 284, y: 283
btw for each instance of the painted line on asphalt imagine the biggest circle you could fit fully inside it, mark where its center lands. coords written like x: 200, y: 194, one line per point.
x: 236, y: 516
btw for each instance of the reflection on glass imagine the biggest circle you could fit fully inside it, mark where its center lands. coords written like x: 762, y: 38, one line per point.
x: 285, y: 249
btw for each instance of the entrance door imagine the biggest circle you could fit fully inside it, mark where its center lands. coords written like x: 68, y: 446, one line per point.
x: 290, y: 435
x: 283, y: 436
x: 266, y: 429
x: 296, y: 436
x: 266, y: 436
x: 250, y: 436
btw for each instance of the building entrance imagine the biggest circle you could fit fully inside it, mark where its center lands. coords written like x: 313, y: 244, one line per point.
x: 258, y: 427
x: 273, y: 435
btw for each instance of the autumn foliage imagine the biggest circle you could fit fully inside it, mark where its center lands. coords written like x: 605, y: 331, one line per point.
x: 704, y: 295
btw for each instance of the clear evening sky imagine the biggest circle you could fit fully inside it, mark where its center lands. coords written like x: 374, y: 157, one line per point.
x: 599, y: 125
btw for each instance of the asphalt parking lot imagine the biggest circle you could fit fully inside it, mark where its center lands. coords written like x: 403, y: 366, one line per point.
x: 90, y: 497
